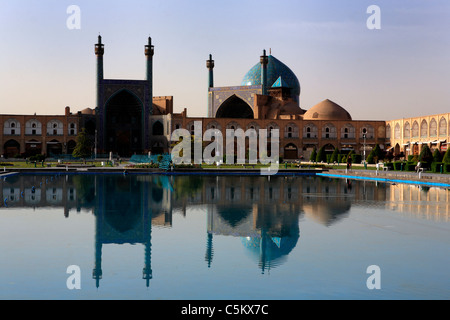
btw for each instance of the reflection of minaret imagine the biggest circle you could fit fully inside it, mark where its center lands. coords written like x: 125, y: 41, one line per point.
x: 147, y: 271
x: 126, y: 219
x: 262, y: 252
x: 209, y: 242
x: 97, y: 272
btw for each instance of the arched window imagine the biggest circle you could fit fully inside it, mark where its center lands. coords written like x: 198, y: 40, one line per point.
x: 348, y: 132
x: 310, y: 131
x: 397, y: 132
x: 158, y: 129
x: 442, y: 127
x: 329, y: 131
x: 433, y: 128
x: 55, y: 127
x: 407, y: 131
x: 415, y: 130
x: 424, y: 129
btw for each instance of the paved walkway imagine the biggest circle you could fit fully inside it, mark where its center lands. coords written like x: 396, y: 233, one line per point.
x: 425, y: 177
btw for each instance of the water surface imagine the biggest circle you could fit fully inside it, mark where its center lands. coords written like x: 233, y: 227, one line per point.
x: 227, y: 237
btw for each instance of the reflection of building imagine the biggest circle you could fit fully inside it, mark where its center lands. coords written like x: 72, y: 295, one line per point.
x: 263, y: 213
x: 124, y: 218
x: 268, y: 233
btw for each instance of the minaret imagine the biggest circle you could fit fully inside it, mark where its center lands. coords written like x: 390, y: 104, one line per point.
x: 149, y: 52
x: 210, y: 66
x: 264, y: 62
x: 99, y: 51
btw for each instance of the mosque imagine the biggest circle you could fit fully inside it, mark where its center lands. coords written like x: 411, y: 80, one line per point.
x: 128, y: 119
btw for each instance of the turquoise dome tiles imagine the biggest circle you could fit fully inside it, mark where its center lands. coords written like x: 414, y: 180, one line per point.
x: 280, y: 83
x: 275, y: 70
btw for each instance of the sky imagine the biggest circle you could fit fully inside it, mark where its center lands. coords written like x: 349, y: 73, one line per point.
x: 400, y: 70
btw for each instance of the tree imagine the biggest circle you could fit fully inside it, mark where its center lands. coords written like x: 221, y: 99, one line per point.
x: 313, y: 155
x: 446, y: 158
x: 437, y: 157
x: 83, y: 149
x: 425, y: 154
x: 375, y: 155
x: 349, y: 155
x: 334, y: 156
x: 321, y: 155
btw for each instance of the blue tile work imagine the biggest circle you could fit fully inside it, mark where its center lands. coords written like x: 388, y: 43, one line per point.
x: 220, y: 95
x: 280, y: 83
x: 275, y: 69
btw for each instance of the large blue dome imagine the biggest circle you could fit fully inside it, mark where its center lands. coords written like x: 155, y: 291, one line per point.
x: 275, y: 69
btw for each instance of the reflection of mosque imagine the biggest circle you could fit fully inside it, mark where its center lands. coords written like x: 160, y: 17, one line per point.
x: 263, y: 212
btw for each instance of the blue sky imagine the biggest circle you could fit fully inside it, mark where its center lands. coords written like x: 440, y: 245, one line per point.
x: 401, y: 70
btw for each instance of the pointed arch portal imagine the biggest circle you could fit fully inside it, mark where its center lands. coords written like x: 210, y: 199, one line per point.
x: 235, y: 107
x: 124, y: 124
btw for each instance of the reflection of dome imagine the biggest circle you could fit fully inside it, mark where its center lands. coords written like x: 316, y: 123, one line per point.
x: 234, y: 214
x: 326, y: 212
x: 271, y: 251
x: 327, y: 110
x: 275, y: 70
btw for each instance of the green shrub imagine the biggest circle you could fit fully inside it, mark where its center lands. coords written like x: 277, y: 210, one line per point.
x: 446, y: 158
x: 425, y: 164
x: 410, y: 166
x: 426, y: 154
x: 412, y: 158
x: 437, y: 156
x: 342, y: 158
x: 334, y: 156
x: 321, y: 155
x: 436, y: 167
x: 313, y: 156
x: 37, y: 158
x: 356, y: 158
x: 389, y: 165
x: 446, y: 167
x: 398, y: 165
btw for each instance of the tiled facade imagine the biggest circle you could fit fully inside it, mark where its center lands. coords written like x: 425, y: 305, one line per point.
x: 38, y: 134
x: 407, y: 135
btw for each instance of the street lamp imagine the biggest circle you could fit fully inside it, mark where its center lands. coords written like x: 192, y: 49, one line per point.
x: 364, y: 150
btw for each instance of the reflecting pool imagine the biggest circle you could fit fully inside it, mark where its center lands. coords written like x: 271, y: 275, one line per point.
x: 221, y: 237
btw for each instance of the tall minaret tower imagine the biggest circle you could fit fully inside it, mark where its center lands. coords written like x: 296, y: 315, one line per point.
x: 99, y: 51
x: 149, y: 52
x: 210, y: 66
x: 264, y: 62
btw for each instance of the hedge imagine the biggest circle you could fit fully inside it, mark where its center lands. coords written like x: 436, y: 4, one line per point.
x: 399, y: 165
x: 446, y: 167
x: 356, y: 158
x: 410, y: 166
x: 436, y: 167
